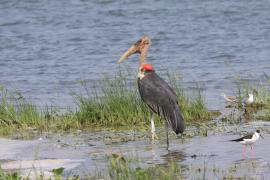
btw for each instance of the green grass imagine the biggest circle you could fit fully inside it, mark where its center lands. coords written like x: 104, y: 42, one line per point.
x: 117, y: 170
x: 17, y: 111
x: 123, y: 170
x: 9, y: 175
x: 130, y: 168
x: 117, y: 103
x: 259, y: 110
x: 261, y: 92
x: 261, y: 103
x: 114, y: 103
x: 111, y: 103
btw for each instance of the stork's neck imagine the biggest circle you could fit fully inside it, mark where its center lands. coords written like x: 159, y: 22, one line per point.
x: 142, y: 60
x: 143, y: 55
x: 140, y: 75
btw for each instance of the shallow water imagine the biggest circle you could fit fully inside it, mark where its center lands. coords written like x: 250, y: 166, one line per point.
x: 47, y: 47
x: 87, y: 153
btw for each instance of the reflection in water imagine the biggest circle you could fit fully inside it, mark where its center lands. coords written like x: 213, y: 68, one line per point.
x: 173, y: 156
x: 154, y: 153
x: 161, y: 155
x: 254, y: 165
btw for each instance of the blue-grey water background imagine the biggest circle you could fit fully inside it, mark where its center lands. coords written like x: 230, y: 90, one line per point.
x: 48, y: 47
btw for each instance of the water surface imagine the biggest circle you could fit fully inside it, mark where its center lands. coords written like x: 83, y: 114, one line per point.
x: 85, y: 154
x: 47, y: 47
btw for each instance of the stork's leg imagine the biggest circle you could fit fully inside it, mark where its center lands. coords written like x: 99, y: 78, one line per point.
x: 167, y: 134
x: 153, y: 129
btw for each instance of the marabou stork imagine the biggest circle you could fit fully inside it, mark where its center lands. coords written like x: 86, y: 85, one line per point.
x: 155, y: 92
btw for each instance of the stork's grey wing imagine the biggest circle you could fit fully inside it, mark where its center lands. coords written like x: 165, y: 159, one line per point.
x: 160, y: 97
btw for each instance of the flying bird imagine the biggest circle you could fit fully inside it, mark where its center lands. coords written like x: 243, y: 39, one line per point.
x: 155, y: 92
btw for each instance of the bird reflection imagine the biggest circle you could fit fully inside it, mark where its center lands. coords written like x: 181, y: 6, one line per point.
x: 173, y: 156
x: 166, y: 157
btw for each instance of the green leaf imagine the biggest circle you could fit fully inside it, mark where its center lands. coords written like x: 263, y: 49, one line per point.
x: 58, y: 171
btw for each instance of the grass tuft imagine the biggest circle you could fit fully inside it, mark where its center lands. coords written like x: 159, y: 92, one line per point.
x: 16, y: 110
x: 9, y: 175
x: 119, y: 170
x: 110, y: 102
x: 117, y: 103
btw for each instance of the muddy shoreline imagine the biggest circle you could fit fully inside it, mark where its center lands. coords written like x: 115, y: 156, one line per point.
x: 85, y: 154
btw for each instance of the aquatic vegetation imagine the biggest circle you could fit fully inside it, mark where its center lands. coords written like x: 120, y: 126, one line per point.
x: 9, y: 175
x: 262, y: 97
x: 131, y: 169
x: 57, y: 175
x: 117, y: 103
x: 117, y: 169
x: 113, y: 103
x: 122, y: 170
x: 16, y: 110
x: 264, y: 114
x: 259, y: 109
x: 110, y: 103
x: 261, y: 104
x: 261, y: 94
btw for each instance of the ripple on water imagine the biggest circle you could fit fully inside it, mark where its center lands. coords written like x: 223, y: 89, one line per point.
x: 213, y: 41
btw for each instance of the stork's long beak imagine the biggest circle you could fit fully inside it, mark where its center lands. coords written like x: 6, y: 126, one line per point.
x: 133, y: 49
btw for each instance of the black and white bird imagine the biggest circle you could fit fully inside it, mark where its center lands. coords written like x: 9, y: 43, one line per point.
x: 248, y: 139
